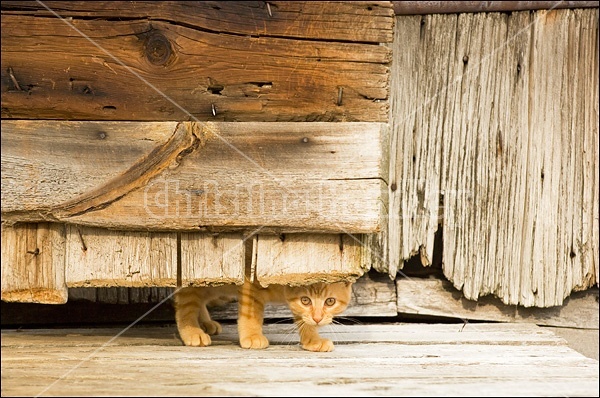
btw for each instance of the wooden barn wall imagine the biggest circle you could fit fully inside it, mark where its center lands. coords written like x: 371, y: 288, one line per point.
x: 111, y: 108
x: 494, y: 137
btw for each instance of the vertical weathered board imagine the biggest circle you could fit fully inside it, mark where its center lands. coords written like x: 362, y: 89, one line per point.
x: 307, y: 258
x: 99, y: 257
x: 495, y: 119
x: 208, y: 258
x: 33, y: 263
x: 417, y: 113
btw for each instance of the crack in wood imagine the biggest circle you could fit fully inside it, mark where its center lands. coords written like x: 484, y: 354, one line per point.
x: 184, y: 140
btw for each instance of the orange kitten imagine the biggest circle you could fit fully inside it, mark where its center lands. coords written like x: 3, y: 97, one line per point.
x: 312, y: 306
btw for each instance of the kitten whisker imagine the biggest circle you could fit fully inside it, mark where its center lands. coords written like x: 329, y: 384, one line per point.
x: 332, y: 330
x: 291, y: 333
x: 346, y: 318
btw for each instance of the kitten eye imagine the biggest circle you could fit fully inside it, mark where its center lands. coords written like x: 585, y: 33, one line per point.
x: 305, y: 300
x: 330, y: 301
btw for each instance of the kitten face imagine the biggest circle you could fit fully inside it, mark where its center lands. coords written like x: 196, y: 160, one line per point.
x: 317, y: 304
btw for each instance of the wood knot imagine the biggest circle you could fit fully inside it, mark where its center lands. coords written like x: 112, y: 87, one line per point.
x: 158, y: 49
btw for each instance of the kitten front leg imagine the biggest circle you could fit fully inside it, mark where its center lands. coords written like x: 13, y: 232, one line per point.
x: 188, y: 307
x: 311, y: 341
x: 250, y: 317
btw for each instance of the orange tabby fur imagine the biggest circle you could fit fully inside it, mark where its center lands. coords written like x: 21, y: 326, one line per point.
x: 312, y: 306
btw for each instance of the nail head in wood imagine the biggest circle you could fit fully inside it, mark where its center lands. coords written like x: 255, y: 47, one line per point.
x: 269, y: 10
x: 340, y: 94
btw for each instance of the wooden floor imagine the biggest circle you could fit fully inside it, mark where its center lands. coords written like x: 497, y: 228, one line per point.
x: 369, y: 360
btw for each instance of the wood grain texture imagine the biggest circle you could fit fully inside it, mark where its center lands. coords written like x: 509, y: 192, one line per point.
x: 307, y: 258
x: 209, y: 259
x: 222, y: 61
x: 416, y: 123
x: 33, y: 263
x: 436, y: 360
x: 437, y: 297
x: 196, y: 176
x: 100, y: 257
x: 358, y: 21
x: 48, y: 164
x: 502, y: 142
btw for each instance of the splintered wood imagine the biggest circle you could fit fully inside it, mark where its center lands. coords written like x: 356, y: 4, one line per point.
x: 501, y: 140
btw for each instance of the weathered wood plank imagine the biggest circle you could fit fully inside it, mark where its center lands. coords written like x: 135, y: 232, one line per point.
x: 33, y: 263
x: 45, y: 164
x: 307, y: 258
x: 358, y: 21
x: 490, y: 360
x: 212, y: 259
x: 417, y: 124
x: 196, y: 176
x: 101, y: 257
x: 514, y: 154
x: 178, y: 60
x: 439, y: 298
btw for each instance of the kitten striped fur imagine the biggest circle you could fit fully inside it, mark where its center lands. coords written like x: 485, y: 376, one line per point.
x: 312, y: 306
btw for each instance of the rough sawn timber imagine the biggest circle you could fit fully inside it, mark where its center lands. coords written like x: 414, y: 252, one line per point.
x: 307, y: 258
x: 190, y: 176
x: 101, y: 257
x: 501, y: 142
x: 33, y: 263
x: 221, y: 61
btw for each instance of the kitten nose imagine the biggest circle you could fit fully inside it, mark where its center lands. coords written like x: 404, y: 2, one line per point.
x: 317, y: 318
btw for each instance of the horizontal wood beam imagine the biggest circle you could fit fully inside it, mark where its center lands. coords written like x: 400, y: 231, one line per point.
x: 190, y: 176
x: 221, y: 61
x: 437, y: 297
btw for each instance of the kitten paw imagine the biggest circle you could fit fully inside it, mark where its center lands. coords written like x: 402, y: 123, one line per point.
x: 195, y: 337
x: 255, y: 341
x: 321, y: 345
x: 211, y: 327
